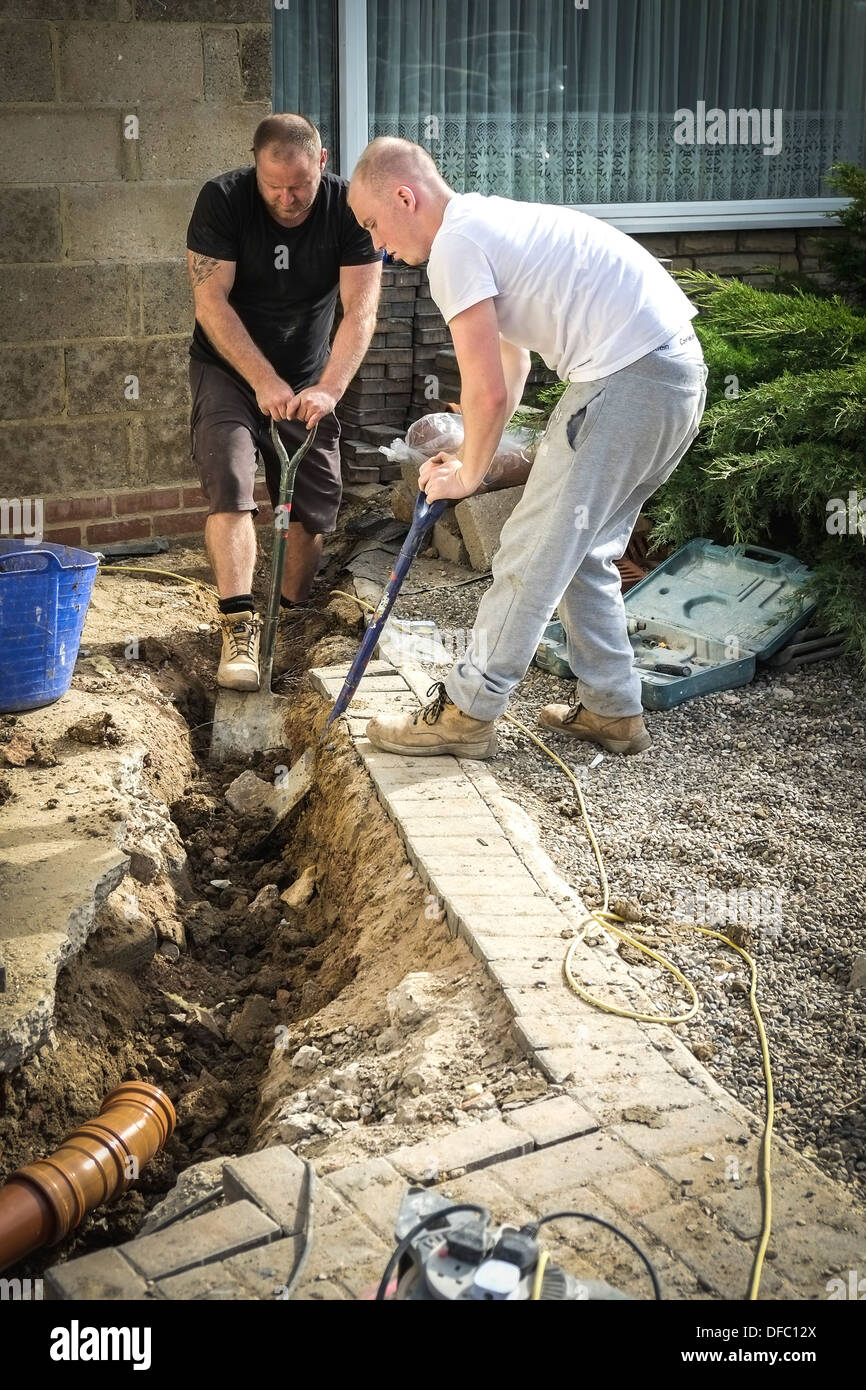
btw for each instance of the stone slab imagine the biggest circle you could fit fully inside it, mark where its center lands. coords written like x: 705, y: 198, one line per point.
x: 477, y: 1146
x: 553, y: 1121
x: 272, y: 1179
x: 375, y: 1189
x: 103, y: 1275
x: 201, y: 1240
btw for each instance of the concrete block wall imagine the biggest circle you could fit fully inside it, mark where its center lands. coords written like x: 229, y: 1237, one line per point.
x: 95, y: 310
x: 93, y: 216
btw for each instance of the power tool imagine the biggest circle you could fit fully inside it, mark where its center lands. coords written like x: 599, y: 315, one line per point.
x: 454, y: 1252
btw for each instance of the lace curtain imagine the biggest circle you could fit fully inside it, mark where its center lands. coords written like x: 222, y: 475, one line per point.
x: 538, y: 99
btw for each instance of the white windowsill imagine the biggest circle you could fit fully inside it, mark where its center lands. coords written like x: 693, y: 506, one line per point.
x: 719, y: 217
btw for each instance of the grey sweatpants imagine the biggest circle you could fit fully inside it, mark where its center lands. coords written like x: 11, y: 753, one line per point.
x: 608, y: 445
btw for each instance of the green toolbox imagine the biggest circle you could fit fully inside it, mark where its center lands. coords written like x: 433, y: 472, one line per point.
x: 702, y: 619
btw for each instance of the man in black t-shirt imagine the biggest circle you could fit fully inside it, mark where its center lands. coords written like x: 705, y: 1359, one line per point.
x: 269, y: 247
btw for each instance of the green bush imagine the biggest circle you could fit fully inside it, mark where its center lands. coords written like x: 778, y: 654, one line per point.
x: 847, y: 255
x: 770, y: 460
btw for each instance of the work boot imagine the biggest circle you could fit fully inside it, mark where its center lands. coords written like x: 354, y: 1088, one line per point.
x: 239, y: 663
x: 617, y: 735
x: 438, y: 728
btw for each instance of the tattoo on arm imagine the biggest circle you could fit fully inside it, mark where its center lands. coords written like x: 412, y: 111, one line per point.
x: 201, y: 268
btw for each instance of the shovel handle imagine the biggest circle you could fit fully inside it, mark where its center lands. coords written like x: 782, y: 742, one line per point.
x: 281, y: 448
x: 427, y: 512
x: 288, y: 473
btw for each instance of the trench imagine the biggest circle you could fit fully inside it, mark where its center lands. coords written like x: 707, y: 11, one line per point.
x: 215, y: 1022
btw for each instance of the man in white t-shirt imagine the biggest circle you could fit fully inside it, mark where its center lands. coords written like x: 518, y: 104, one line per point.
x: 510, y: 278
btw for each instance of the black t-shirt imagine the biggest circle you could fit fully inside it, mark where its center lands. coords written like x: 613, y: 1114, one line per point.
x: 286, y: 278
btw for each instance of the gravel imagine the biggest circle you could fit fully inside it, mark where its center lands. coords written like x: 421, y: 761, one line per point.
x: 746, y: 814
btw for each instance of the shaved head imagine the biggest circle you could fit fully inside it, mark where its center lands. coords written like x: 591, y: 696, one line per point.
x: 388, y: 162
x: 398, y: 194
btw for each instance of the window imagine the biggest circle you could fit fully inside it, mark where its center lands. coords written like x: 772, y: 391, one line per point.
x: 615, y: 105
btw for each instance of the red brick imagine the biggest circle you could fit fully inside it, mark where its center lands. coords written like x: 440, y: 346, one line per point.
x: 67, y: 535
x: 77, y: 508
x: 156, y: 500
x: 119, y: 531
x: 194, y: 497
x: 178, y: 523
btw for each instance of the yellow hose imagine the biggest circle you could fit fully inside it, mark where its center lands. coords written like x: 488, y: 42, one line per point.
x: 166, y: 574
x: 543, y: 1261
x: 606, y: 919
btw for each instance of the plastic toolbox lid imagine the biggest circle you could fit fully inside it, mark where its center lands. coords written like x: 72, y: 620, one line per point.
x: 722, y: 591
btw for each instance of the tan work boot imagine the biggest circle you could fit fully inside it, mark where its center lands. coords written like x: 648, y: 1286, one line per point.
x: 239, y: 663
x: 438, y: 728
x: 626, y: 735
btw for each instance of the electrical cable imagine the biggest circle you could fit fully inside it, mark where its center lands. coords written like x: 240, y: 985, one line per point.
x: 535, y: 1226
x: 195, y: 1205
x: 307, y: 1239
x: 606, y: 919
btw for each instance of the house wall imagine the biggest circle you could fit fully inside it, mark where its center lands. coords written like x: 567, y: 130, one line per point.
x: 742, y: 254
x: 93, y: 287
x: 93, y: 215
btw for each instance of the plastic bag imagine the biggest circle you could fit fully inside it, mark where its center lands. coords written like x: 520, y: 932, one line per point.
x: 443, y: 432
x: 398, y: 451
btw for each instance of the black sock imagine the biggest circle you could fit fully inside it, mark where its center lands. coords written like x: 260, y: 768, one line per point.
x: 290, y: 603
x: 241, y: 603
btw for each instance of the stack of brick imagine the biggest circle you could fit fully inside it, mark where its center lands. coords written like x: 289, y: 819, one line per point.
x: 429, y: 337
x: 447, y: 376
x: 375, y: 406
x: 410, y: 370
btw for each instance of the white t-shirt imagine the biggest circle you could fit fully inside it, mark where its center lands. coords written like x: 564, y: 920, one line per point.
x: 684, y: 346
x: 582, y: 294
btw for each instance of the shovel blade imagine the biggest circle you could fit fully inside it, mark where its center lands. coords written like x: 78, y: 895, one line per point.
x: 247, y: 722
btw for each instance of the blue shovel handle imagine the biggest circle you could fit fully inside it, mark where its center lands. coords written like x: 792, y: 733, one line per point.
x: 424, y: 515
x: 427, y: 512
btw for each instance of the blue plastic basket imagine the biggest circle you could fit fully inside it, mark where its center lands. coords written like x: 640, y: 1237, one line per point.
x: 44, y: 594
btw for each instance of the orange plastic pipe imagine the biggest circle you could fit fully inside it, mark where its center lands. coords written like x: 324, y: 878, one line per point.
x: 43, y: 1202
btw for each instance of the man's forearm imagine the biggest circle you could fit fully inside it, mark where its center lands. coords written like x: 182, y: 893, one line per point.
x: 484, y: 419
x: 485, y: 416
x: 228, y: 335
x: 348, y: 349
